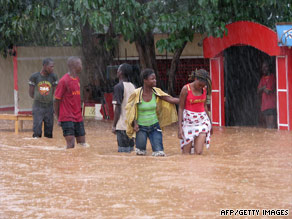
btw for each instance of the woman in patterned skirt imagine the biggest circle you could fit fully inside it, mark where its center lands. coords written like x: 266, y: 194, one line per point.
x: 195, y: 125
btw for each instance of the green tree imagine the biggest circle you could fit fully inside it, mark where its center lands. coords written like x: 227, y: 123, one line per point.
x: 20, y: 23
x: 92, y: 24
x: 181, y: 19
x: 136, y: 21
x: 95, y: 24
x: 85, y: 23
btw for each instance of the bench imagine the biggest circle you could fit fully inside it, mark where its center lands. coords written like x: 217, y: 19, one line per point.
x: 18, y: 120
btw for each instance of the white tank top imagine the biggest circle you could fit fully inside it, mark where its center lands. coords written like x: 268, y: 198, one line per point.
x: 128, y: 90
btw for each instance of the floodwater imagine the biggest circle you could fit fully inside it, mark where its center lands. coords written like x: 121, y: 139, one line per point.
x: 244, y: 168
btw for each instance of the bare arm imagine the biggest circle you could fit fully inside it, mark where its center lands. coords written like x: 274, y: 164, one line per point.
x: 136, y: 126
x: 56, y: 107
x: 170, y: 99
x: 54, y: 89
x: 264, y: 89
x: 31, y: 91
x: 206, y: 110
x: 182, y: 100
x: 268, y: 91
x: 261, y: 89
x: 117, y: 114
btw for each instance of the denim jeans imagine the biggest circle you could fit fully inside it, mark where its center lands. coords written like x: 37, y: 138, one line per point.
x: 154, y: 133
x: 125, y: 144
x: 41, y: 114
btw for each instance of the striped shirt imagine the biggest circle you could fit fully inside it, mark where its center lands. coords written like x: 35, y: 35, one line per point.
x: 147, y: 112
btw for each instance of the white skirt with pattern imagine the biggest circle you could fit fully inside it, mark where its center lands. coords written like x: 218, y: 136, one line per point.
x: 193, y: 124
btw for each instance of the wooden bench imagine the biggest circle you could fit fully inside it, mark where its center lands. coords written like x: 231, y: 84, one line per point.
x: 17, y: 118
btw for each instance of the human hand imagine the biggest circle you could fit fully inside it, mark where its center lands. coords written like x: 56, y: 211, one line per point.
x: 180, y: 134
x: 114, y: 130
x: 267, y: 91
x: 262, y: 89
x: 59, y: 123
x: 136, y: 127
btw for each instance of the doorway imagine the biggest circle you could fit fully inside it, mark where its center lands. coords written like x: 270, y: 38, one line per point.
x: 242, y: 73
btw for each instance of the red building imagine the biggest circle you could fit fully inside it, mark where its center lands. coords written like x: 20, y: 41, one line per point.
x: 255, y: 42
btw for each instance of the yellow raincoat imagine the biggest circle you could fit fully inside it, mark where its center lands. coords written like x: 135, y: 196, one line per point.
x: 166, y: 112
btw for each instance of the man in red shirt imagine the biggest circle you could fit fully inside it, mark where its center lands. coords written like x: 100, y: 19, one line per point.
x: 67, y: 104
x: 267, y: 88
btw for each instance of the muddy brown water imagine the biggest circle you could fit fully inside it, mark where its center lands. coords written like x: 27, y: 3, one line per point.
x: 244, y: 168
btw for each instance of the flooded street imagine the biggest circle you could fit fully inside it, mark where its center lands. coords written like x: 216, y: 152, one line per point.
x: 244, y: 168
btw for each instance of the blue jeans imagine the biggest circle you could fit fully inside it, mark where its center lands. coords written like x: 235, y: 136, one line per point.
x: 125, y: 144
x: 154, y: 133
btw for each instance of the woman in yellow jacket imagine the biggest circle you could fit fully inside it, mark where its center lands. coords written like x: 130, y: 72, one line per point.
x: 148, y: 110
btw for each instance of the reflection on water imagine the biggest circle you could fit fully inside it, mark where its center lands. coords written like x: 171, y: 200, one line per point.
x: 245, y: 168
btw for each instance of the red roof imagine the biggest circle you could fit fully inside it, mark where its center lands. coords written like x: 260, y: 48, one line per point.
x: 243, y: 33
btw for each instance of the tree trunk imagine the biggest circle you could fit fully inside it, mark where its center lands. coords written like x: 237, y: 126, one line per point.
x: 173, y: 68
x: 146, y: 50
x: 96, y: 57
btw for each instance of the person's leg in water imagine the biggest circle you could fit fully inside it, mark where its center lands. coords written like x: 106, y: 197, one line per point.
x: 270, y: 121
x: 81, y: 141
x: 48, y: 122
x: 199, y: 143
x: 125, y: 144
x: 69, y: 133
x: 70, y: 139
x: 141, y: 140
x: 80, y: 134
x: 155, y: 136
x: 186, y: 150
x: 38, y: 117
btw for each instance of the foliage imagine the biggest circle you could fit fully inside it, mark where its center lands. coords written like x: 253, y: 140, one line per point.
x: 29, y: 21
x: 181, y: 19
x: 135, y: 19
x: 60, y: 22
x: 76, y: 13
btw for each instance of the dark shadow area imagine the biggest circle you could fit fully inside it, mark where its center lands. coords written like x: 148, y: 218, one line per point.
x: 242, y: 73
x: 94, y: 92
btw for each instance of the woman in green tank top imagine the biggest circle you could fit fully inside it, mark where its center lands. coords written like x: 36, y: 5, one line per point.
x: 147, y: 123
